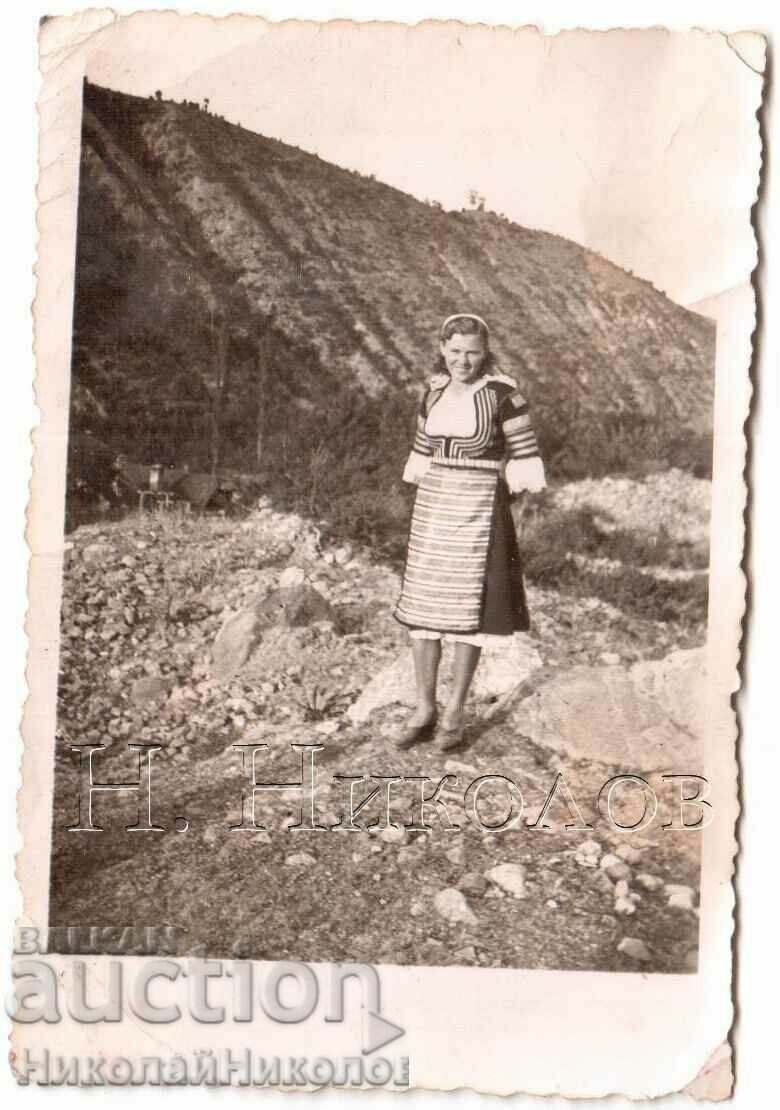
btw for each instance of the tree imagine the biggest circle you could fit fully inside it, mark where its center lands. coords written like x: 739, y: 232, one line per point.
x: 264, y: 355
x: 221, y: 345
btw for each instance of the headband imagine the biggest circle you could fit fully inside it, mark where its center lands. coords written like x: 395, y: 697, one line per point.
x: 465, y: 316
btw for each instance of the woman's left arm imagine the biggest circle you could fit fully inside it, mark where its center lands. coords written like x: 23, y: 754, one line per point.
x: 524, y: 467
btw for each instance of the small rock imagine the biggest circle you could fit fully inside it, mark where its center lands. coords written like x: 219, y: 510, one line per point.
x: 416, y: 909
x: 300, y: 859
x: 291, y: 576
x: 621, y: 889
x: 635, y: 949
x: 510, y: 877
x: 610, y: 658
x: 95, y: 551
x: 649, y: 882
x: 453, y: 907
x: 628, y: 854
x: 326, y: 728
x: 393, y: 834
x: 588, y: 853
x: 604, y: 883
x: 148, y: 689
x: 455, y: 854
x: 551, y: 904
x: 625, y: 906
x: 473, y: 884
x: 615, y: 868
x: 680, y: 897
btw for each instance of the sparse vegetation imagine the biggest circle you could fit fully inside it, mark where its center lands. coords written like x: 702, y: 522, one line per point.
x: 568, y: 551
x: 319, y: 701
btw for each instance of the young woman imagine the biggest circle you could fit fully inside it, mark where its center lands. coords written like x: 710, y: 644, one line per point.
x: 463, y: 581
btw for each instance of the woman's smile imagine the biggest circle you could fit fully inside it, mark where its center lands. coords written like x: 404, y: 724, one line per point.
x: 463, y: 356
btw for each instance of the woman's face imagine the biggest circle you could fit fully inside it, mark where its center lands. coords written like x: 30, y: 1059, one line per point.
x: 463, y: 356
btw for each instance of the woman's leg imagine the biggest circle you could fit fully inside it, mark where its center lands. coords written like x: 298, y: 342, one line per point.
x: 465, y: 664
x: 426, y: 654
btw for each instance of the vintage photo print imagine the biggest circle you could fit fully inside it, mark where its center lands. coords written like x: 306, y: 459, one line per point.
x: 386, y: 530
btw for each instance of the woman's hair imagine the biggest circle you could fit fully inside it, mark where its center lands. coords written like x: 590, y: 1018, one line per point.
x: 466, y: 325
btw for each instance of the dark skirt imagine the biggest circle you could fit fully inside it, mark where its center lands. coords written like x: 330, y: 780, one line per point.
x: 463, y: 569
x: 505, y: 606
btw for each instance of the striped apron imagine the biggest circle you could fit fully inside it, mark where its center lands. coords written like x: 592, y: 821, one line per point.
x: 449, y: 539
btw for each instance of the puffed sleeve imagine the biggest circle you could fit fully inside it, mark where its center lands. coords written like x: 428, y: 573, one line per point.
x: 420, y: 458
x: 524, y: 468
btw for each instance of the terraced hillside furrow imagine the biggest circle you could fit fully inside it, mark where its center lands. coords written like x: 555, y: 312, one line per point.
x: 327, y: 288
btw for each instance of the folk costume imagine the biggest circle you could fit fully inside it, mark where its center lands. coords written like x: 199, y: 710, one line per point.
x: 463, y: 577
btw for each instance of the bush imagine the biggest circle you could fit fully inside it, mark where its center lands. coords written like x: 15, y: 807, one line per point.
x: 632, y: 444
x: 342, y: 463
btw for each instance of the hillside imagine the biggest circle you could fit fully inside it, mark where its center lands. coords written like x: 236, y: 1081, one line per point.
x: 228, y: 285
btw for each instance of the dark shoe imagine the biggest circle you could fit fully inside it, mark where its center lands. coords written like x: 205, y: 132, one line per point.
x: 449, y: 739
x: 413, y: 734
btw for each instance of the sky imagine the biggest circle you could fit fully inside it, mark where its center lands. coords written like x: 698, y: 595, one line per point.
x: 636, y: 144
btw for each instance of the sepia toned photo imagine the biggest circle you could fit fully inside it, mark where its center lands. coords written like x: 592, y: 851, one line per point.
x: 398, y: 602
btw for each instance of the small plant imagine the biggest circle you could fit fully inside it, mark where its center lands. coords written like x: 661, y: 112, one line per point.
x: 320, y: 701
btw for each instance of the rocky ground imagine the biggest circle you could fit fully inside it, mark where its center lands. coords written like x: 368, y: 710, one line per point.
x: 671, y: 501
x: 198, y: 634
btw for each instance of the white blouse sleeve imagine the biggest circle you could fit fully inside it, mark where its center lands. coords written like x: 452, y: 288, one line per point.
x: 416, y: 468
x: 525, y: 474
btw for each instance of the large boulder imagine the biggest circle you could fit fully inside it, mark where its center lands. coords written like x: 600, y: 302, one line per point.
x: 641, y: 718
x: 502, y: 667
x: 286, y: 608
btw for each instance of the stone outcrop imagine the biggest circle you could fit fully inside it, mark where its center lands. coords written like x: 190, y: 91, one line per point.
x: 640, y: 717
x: 287, y: 608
